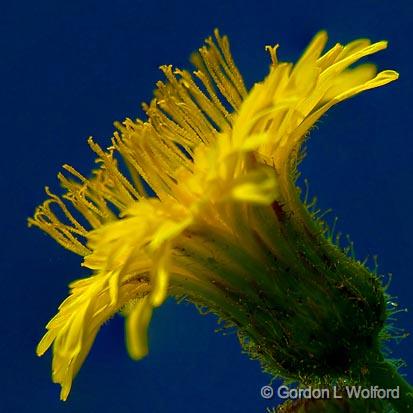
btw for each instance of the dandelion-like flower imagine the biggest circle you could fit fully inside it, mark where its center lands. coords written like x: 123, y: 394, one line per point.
x: 199, y: 201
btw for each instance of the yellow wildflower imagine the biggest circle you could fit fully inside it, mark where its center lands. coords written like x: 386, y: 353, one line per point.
x: 221, y: 162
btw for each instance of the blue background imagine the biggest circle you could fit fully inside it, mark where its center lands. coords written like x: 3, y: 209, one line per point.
x: 68, y: 70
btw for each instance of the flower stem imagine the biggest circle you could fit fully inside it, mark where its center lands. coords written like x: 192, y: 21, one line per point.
x: 385, y: 375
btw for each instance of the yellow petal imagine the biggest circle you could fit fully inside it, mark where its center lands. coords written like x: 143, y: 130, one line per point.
x: 45, y: 343
x: 313, y: 51
x: 137, y: 323
x: 160, y: 275
x: 258, y: 187
x: 381, y: 79
x: 349, y: 79
x: 66, y: 385
x: 114, y: 287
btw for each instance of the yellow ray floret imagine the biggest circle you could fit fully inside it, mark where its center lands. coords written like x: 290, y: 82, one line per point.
x: 209, y: 150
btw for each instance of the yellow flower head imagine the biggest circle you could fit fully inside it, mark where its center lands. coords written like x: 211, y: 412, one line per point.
x: 221, y: 162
